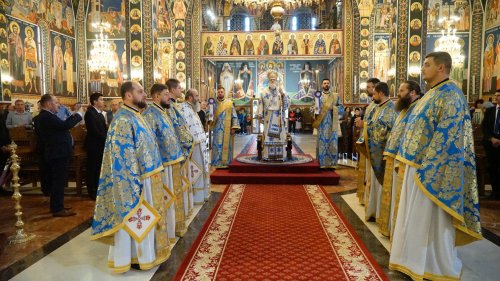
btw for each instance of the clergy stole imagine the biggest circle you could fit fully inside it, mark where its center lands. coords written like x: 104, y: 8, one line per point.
x: 226, y: 106
x: 325, y: 109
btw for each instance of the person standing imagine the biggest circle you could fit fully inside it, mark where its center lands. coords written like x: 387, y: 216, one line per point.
x: 438, y: 207
x: 327, y: 123
x: 63, y: 112
x: 94, y: 141
x: 130, y: 201
x: 491, y: 142
x: 377, y: 132
x: 57, y: 150
x: 408, y: 95
x: 202, y: 113
x: 273, y: 105
x: 223, y: 127
x: 115, y: 105
x: 199, y: 172
x: 19, y: 117
x: 171, y: 154
x: 360, y: 122
x: 292, y: 121
x: 185, y: 139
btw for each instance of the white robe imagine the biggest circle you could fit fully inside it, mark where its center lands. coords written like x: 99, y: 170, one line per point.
x: 426, y: 247
x: 126, y: 249
x: 198, y: 168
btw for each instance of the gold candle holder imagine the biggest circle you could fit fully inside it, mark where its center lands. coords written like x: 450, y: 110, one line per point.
x: 21, y: 236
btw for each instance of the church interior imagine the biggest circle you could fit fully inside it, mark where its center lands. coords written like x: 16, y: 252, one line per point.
x: 288, y: 183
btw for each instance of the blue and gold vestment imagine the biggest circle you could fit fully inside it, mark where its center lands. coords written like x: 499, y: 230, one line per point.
x: 130, y: 156
x: 378, y: 129
x: 225, y: 119
x: 160, y: 123
x: 330, y: 107
x: 438, y: 143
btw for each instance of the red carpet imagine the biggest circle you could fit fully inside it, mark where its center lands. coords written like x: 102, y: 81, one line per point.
x: 259, y: 232
x: 243, y: 173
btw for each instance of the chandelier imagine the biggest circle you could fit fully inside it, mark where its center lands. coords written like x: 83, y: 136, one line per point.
x: 449, y: 42
x: 101, y: 55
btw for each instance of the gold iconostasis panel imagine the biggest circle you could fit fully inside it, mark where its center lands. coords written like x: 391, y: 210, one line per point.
x: 256, y: 44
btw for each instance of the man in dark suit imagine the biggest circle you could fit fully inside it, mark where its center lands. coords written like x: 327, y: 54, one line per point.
x: 57, y: 150
x: 115, y: 105
x: 94, y: 142
x: 202, y: 114
x: 491, y: 133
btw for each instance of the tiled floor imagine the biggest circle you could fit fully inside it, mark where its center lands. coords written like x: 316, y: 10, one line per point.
x: 63, y: 243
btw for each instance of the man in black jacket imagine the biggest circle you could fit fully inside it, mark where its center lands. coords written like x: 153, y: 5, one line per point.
x: 94, y: 142
x: 57, y: 145
x: 491, y: 133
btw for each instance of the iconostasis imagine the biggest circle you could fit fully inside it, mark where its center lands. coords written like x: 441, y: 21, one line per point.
x: 240, y: 62
x: 37, y: 49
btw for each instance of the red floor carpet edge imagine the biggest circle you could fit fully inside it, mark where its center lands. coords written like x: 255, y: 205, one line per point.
x: 281, y: 232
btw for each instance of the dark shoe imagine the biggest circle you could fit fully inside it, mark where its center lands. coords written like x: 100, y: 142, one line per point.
x: 63, y: 213
x: 135, y: 266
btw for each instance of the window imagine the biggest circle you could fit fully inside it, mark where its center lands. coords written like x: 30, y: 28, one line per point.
x: 228, y: 25
x: 313, y: 23
x: 247, y: 24
x: 294, y: 23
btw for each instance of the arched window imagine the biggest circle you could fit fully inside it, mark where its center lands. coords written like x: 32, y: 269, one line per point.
x: 267, y: 20
x: 240, y: 20
x: 304, y: 19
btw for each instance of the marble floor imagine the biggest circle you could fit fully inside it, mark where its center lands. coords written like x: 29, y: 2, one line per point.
x: 62, y: 250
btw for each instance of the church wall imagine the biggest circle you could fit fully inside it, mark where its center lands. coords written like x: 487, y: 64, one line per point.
x: 113, y: 13
x: 491, y: 51
x: 437, y: 9
x: 164, y: 49
x: 23, y: 67
x: 180, y: 10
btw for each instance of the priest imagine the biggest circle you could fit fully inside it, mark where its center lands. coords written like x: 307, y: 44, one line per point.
x: 198, y: 169
x: 171, y: 155
x: 224, y: 125
x: 378, y: 129
x: 130, y: 204
x: 185, y: 139
x: 439, y: 207
x: 273, y: 109
x: 408, y: 95
x: 364, y: 167
x: 327, y: 110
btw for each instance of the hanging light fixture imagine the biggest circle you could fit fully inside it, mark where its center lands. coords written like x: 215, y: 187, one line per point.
x: 101, y: 55
x: 449, y: 42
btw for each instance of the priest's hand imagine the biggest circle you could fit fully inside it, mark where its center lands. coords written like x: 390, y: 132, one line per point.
x: 233, y: 131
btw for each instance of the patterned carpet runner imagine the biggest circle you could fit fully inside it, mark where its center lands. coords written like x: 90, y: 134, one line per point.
x: 281, y: 232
